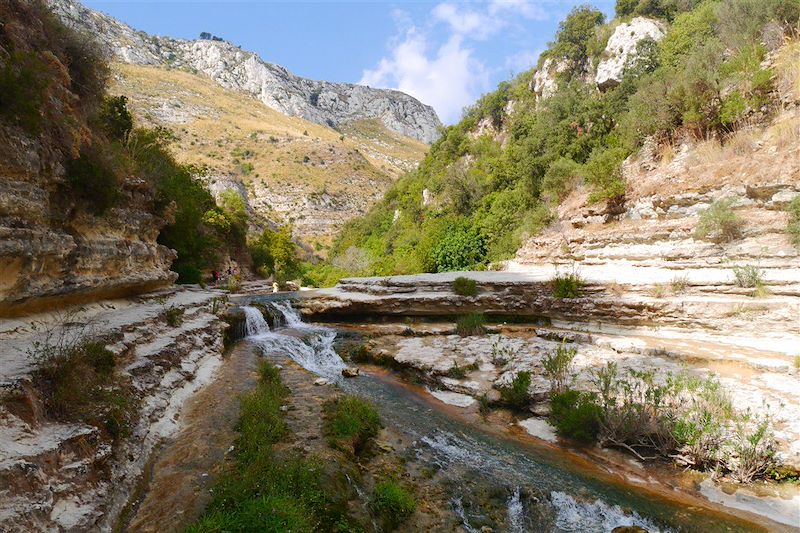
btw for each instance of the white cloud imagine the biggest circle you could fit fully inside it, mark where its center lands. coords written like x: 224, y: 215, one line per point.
x: 522, y: 8
x: 466, y: 22
x: 448, y: 80
x: 445, y: 73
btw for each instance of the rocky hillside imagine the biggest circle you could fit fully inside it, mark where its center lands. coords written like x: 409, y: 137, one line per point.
x: 660, y: 80
x: 289, y: 170
x: 331, y: 104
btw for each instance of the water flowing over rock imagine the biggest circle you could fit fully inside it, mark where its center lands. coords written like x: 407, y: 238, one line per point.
x: 326, y: 103
x: 309, y: 346
x: 621, y: 49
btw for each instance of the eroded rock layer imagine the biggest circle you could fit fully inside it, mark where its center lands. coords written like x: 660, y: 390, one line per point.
x: 54, y: 250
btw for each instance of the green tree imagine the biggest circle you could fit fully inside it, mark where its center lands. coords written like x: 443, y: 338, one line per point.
x: 461, y: 248
x: 574, y: 34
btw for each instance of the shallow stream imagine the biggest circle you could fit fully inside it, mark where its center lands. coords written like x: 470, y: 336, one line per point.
x: 539, y: 489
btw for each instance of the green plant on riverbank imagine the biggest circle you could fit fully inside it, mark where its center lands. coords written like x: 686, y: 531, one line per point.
x: 75, y: 377
x: 793, y: 226
x: 470, y: 324
x: 567, y: 285
x: 719, y: 223
x: 558, y: 367
x: 575, y: 415
x: 392, y: 503
x: 687, y: 419
x: 263, y: 489
x: 750, y: 277
x: 516, y: 394
x: 351, y: 424
x: 465, y: 286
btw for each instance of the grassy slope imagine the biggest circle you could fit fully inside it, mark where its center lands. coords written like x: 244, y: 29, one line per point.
x: 228, y: 132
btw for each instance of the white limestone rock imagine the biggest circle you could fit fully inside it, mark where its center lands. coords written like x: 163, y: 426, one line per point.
x: 621, y: 49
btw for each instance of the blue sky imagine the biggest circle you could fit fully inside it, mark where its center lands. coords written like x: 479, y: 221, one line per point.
x: 444, y: 53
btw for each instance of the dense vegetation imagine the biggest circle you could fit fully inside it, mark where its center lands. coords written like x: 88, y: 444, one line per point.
x: 473, y: 199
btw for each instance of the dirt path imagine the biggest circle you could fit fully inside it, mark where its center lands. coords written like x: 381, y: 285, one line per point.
x: 176, y: 491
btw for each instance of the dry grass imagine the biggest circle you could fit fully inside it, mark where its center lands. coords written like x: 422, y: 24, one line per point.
x: 787, y: 68
x: 235, y: 135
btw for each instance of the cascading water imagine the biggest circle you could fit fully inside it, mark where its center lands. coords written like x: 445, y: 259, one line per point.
x: 515, y: 512
x: 254, y: 323
x: 309, y: 346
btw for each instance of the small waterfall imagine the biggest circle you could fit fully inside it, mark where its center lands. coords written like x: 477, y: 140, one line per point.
x: 290, y: 317
x: 254, y: 323
x: 458, y: 508
x: 515, y: 510
x: 308, y: 345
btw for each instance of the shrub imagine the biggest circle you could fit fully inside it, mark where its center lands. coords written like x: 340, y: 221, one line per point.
x: 173, y: 316
x: 465, y: 286
x: 351, y: 423
x: 753, y: 454
x: 679, y: 284
x: 568, y: 285
x: 275, y: 254
x: 233, y: 284
x: 603, y: 172
x: 74, y: 375
x: 516, y: 395
x: 575, y: 415
x: 456, y: 371
x: 92, y: 178
x: 460, y: 248
x: 558, y: 367
x: 392, y: 503
x: 470, y: 324
x: 719, y: 223
x: 560, y: 178
x: 793, y: 227
x: 750, y: 277
x: 117, y: 121
x: 501, y: 354
x: 574, y: 34
x: 460, y: 372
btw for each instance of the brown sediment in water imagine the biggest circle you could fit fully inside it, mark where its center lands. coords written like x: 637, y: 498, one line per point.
x: 658, y: 480
x: 177, y: 489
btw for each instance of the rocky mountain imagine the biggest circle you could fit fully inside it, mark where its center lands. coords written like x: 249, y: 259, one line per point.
x: 331, y: 104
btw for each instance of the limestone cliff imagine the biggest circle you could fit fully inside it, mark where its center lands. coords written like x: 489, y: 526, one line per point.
x: 331, y: 104
x: 56, y: 244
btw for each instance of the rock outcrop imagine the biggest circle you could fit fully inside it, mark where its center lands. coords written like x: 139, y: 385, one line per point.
x: 54, y: 250
x: 70, y: 476
x: 331, y: 104
x: 621, y: 49
x: 544, y: 82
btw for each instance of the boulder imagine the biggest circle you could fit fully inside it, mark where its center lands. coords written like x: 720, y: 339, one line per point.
x: 350, y: 372
x: 621, y: 49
